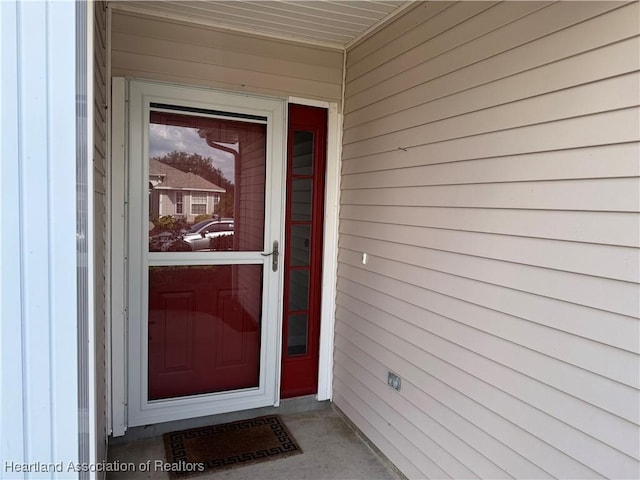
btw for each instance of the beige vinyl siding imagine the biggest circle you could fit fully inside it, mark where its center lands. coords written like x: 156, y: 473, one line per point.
x: 100, y: 220
x: 172, y: 51
x: 491, y: 172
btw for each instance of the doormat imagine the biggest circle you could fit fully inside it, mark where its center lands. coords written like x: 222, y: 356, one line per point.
x: 197, y: 451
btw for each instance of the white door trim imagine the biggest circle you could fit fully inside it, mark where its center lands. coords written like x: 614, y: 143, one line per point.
x: 141, y: 411
x: 330, y: 252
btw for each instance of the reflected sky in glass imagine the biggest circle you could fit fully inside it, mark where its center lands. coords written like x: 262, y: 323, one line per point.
x: 164, y: 139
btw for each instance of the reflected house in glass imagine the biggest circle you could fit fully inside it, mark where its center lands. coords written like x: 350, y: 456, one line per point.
x: 180, y: 194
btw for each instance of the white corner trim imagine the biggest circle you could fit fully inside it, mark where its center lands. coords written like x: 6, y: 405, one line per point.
x: 107, y: 293
x: 117, y: 242
x: 330, y: 253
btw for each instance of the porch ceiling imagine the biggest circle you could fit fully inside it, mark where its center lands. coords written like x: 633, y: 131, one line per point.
x: 335, y: 24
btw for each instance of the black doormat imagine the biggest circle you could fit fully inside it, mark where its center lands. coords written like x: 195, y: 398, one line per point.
x: 197, y: 451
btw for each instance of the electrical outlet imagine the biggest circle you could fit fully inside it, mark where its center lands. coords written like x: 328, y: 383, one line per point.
x: 394, y: 381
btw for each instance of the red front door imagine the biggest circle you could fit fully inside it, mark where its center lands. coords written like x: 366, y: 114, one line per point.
x: 306, y: 160
x: 204, y: 330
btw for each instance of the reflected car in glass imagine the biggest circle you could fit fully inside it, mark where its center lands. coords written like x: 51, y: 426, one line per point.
x: 207, y: 235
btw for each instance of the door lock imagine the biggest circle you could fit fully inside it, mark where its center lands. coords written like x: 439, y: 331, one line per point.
x: 274, y: 256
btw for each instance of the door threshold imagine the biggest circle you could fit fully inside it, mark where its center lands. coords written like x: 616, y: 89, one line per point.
x: 290, y: 405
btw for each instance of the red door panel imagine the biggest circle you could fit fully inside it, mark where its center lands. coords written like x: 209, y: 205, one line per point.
x: 204, y: 329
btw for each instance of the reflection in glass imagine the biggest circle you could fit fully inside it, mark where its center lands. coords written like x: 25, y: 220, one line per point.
x: 302, y: 153
x: 206, y: 183
x: 300, y: 241
x: 204, y: 329
x: 297, y: 335
x: 301, y: 199
x: 298, y: 290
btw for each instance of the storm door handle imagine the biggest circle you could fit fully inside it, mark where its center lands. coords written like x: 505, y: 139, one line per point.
x: 274, y: 256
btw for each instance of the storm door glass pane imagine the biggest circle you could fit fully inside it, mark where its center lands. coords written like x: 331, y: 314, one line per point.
x: 204, y: 174
x: 204, y: 329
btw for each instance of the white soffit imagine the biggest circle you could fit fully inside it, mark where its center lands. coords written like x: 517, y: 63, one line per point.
x: 334, y: 24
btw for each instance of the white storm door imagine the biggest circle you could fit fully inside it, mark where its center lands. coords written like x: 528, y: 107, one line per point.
x: 205, y: 198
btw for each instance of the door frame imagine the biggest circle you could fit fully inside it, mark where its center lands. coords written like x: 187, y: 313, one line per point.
x: 117, y: 236
x: 329, y: 243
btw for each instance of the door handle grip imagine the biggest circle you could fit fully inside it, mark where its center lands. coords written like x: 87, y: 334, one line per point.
x: 274, y: 256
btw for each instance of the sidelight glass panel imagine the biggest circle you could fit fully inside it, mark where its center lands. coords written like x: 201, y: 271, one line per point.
x: 297, y: 335
x: 298, y: 290
x: 302, y: 153
x: 300, y: 242
x: 204, y: 329
x: 301, y: 199
x: 206, y: 183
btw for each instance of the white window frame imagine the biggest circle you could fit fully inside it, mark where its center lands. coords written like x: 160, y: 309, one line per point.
x: 180, y: 203
x: 193, y: 203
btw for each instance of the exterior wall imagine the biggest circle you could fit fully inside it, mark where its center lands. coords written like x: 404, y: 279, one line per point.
x: 100, y: 219
x: 167, y: 204
x: 490, y: 172
x: 39, y: 314
x: 171, y: 51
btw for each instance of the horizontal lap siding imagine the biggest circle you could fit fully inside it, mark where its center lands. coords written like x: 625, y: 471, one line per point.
x: 171, y: 51
x: 100, y: 221
x: 491, y: 173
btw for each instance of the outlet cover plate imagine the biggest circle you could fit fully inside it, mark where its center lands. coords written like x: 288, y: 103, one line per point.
x: 394, y: 381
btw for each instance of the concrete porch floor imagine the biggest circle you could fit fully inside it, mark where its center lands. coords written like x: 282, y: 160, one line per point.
x: 332, y: 450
